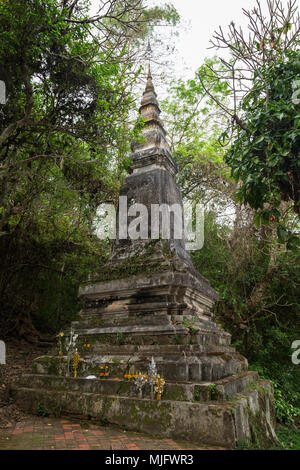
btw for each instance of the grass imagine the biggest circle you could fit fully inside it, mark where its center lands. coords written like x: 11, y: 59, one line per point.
x: 289, y: 438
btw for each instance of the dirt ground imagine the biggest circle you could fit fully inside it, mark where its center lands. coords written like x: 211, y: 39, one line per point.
x: 19, y: 357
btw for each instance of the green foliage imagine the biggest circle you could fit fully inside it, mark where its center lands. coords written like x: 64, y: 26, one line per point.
x: 259, y: 304
x: 64, y: 146
x: 41, y: 411
x: 286, y: 412
x: 265, y: 155
x: 214, y: 393
x: 189, y: 324
x: 251, y: 265
x: 289, y: 438
x: 193, y: 130
x: 168, y: 13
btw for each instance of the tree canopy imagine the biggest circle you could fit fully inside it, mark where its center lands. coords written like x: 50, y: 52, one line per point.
x: 64, y: 141
x: 262, y: 135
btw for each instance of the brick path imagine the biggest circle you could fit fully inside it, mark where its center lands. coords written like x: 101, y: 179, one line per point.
x: 45, y: 434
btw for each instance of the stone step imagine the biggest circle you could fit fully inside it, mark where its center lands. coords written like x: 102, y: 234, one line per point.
x: 124, y: 351
x: 123, y: 320
x: 145, y: 319
x: 194, y: 367
x: 128, y: 307
x: 151, y: 349
x: 154, y: 334
x: 179, y: 391
x: 222, y: 423
x: 166, y: 349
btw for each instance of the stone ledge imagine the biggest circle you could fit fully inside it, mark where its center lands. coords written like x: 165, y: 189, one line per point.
x: 172, y: 368
x: 178, y: 391
x: 223, y: 423
x: 127, y: 287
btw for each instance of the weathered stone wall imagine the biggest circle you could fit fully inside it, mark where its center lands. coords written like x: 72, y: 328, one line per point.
x: 245, y: 418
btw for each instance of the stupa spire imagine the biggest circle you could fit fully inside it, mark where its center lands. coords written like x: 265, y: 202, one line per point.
x: 149, y: 84
x: 149, y: 98
x: 154, y: 131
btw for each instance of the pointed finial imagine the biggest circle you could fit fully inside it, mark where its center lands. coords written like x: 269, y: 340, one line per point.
x: 148, y: 57
x: 149, y: 84
x: 148, y: 51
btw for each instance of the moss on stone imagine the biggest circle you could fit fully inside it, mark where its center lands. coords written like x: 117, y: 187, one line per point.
x: 116, y: 360
x: 155, y: 414
x: 214, y: 392
x: 175, y: 393
x: 96, y: 321
x: 258, y: 425
x: 216, y: 411
x: 117, y: 338
x: 136, y: 264
x: 49, y: 363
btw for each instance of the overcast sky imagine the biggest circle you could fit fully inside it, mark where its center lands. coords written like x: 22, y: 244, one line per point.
x: 199, y: 20
x: 204, y: 17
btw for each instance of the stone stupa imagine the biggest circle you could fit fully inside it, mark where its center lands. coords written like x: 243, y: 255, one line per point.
x: 150, y: 302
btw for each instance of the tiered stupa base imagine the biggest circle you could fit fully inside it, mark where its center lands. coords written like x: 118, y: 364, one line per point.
x: 209, y: 396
